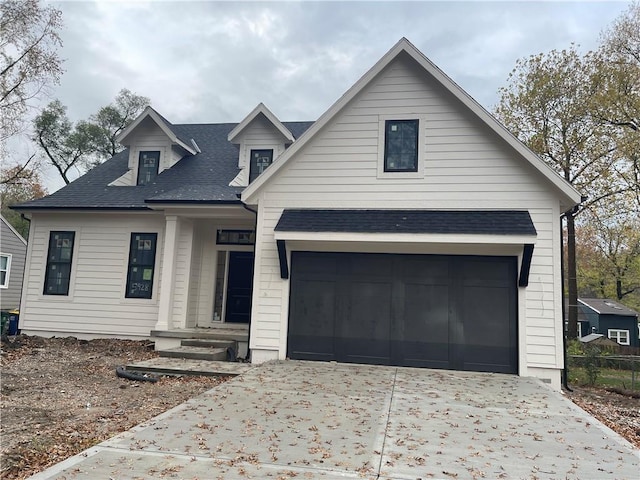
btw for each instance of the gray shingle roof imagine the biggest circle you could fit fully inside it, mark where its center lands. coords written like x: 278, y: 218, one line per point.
x: 200, y: 178
x: 496, y: 222
x: 606, y: 306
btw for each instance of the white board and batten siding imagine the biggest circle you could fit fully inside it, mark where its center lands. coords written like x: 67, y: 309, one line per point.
x: 96, y: 304
x: 464, y: 166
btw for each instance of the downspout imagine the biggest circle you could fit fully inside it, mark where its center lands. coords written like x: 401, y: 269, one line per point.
x: 255, y: 229
x: 565, y: 372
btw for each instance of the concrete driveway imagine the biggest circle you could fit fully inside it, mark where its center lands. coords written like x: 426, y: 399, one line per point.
x: 333, y: 421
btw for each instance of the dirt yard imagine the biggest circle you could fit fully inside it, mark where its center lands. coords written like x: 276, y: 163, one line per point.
x: 60, y: 396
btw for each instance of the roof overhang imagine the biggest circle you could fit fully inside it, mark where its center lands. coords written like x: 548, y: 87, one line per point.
x: 500, y: 232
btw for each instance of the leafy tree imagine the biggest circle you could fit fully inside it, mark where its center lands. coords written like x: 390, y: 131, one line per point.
x: 616, y: 94
x: 27, y: 186
x: 547, y: 105
x: 29, y: 64
x: 608, y: 246
x: 68, y: 147
x: 113, y: 119
x: 29, y: 60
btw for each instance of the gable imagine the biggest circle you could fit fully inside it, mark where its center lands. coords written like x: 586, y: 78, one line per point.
x: 463, y: 162
x: 424, y: 69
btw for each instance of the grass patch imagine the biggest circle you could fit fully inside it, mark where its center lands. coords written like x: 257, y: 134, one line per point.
x: 606, y: 378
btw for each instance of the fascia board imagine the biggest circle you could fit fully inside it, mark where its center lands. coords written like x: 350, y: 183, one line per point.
x: 433, y: 238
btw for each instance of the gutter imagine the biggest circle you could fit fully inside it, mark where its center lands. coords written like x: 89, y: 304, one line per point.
x: 255, y: 229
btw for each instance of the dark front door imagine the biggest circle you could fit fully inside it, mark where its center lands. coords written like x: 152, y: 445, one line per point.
x: 436, y: 311
x: 239, y: 287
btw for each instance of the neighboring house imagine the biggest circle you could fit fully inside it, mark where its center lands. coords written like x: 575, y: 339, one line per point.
x: 609, y: 318
x: 13, y: 250
x: 406, y: 226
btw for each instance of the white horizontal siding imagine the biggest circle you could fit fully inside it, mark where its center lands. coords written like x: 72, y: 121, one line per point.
x: 96, y: 303
x: 465, y: 165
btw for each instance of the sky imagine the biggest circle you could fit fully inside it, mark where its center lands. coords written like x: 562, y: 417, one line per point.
x: 207, y: 62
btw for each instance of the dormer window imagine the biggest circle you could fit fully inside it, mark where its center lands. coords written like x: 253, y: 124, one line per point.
x: 260, y: 160
x: 148, y: 165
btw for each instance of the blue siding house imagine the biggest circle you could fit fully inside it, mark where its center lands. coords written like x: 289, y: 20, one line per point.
x: 615, y: 321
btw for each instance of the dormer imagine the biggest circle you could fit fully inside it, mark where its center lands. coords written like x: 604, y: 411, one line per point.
x: 154, y: 146
x: 262, y: 139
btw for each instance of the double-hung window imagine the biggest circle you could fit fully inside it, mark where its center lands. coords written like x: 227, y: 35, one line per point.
x: 620, y: 336
x: 260, y: 160
x: 5, y: 268
x: 58, y: 272
x: 142, y: 259
x: 401, y: 145
x: 148, y: 164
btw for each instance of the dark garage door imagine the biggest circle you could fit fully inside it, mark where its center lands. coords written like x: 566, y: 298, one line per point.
x: 436, y: 311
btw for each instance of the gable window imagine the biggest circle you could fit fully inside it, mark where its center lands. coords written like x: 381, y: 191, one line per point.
x: 620, y: 336
x: 58, y: 273
x: 401, y: 146
x: 260, y: 160
x: 148, y: 164
x: 142, y: 259
x: 5, y: 268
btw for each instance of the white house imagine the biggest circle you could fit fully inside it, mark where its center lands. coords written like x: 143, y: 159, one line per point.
x: 405, y: 226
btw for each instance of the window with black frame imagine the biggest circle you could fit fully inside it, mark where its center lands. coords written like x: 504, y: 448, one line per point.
x: 260, y: 160
x: 148, y: 164
x: 142, y: 259
x: 401, y: 146
x: 59, y: 256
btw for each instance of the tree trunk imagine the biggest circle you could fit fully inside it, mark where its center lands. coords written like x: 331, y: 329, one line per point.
x: 572, y: 281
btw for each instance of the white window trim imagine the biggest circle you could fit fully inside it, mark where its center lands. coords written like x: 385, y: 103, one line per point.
x: 615, y: 332
x: 8, y: 270
x: 421, y: 146
x: 138, y: 151
x: 124, y: 300
x: 74, y: 266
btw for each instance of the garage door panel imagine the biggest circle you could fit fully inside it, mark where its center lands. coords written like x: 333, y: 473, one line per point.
x: 315, y: 302
x: 425, y: 269
x: 364, y: 332
x: 424, y: 340
x: 494, y: 272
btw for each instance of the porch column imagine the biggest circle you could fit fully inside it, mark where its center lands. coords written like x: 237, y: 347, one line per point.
x: 169, y: 255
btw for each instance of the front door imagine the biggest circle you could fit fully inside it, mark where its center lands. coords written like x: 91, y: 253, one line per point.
x: 239, y: 280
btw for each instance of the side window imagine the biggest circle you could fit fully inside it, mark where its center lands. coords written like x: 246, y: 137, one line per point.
x: 142, y: 259
x: 260, y: 160
x: 620, y: 336
x: 58, y: 272
x: 5, y: 269
x: 148, y: 164
x: 401, y: 146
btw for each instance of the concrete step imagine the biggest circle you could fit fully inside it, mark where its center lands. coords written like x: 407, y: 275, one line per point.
x: 194, y: 342
x: 239, y: 334
x: 195, y: 353
x: 186, y: 366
